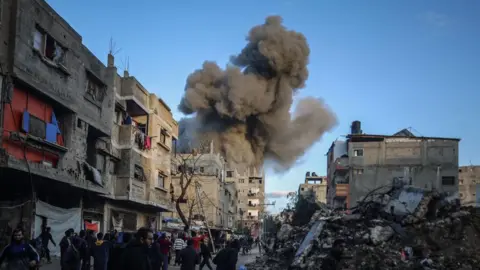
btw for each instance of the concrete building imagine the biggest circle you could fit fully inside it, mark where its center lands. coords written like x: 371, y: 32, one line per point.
x: 315, y: 185
x: 365, y: 162
x: 214, y: 203
x: 57, y: 103
x: 469, y: 184
x: 143, y: 139
x: 251, y: 196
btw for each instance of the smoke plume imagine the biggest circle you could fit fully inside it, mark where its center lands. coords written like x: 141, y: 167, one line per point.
x: 245, y: 109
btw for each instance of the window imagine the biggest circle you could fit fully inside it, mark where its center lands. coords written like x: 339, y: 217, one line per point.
x: 163, y: 136
x: 448, y: 180
x: 138, y: 173
x: 259, y: 181
x: 37, y: 127
x: 358, y: 153
x: 160, y: 180
x: 48, y: 47
x: 250, y: 181
x: 202, y: 169
x: 461, y: 195
x: 229, y: 174
x: 460, y: 181
x: 113, y: 167
x: 241, y: 181
x: 303, y: 189
x: 1, y: 11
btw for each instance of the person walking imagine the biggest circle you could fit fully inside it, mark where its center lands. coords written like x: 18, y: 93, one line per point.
x: 19, y: 255
x: 136, y: 252
x: 205, y: 254
x: 46, y: 237
x: 165, y: 246
x: 178, y: 246
x: 189, y: 257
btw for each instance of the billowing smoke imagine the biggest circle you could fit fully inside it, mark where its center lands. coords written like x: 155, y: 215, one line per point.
x: 245, y: 109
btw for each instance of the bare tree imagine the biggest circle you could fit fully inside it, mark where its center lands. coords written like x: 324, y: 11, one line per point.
x: 186, y: 165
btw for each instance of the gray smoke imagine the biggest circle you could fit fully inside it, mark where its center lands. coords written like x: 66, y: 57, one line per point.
x: 245, y: 109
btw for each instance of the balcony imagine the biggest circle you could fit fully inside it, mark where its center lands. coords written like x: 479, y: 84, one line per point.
x: 341, y: 190
x: 135, y: 96
x: 160, y: 198
x: 130, y: 136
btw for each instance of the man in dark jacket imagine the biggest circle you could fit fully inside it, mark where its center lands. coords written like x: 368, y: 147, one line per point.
x: 188, y: 257
x: 46, y: 237
x: 206, y: 255
x: 155, y: 254
x: 101, y: 252
x: 19, y: 255
x: 227, y: 258
x: 136, y: 253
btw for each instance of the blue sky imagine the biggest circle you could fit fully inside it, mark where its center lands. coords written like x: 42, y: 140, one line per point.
x: 389, y: 64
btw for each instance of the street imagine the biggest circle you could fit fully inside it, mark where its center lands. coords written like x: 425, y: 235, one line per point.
x: 242, y: 260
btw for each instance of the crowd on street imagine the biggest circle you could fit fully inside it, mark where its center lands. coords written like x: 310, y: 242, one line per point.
x: 143, y: 250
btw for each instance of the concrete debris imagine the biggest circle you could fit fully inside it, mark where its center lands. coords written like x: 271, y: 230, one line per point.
x: 403, y: 228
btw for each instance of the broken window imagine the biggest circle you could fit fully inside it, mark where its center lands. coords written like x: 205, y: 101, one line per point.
x: 48, y: 47
x: 37, y: 127
x: 138, y: 173
x: 95, y: 89
x: 448, y: 180
x: 358, y: 153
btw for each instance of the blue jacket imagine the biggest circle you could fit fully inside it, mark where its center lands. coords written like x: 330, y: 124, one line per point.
x: 18, y: 256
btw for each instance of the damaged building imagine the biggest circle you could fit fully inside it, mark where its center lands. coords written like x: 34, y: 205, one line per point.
x: 65, y: 145
x: 57, y: 102
x: 365, y: 162
x: 314, y: 185
x: 144, y: 136
x: 210, y: 201
x: 469, y: 185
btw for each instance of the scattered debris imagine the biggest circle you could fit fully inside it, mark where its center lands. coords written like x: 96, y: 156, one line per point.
x: 402, y: 228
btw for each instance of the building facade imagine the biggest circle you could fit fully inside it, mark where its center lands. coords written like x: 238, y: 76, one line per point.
x: 57, y: 102
x: 63, y: 136
x: 143, y: 139
x: 382, y: 161
x: 251, y: 196
x: 210, y: 201
x: 315, y: 185
x: 469, y: 184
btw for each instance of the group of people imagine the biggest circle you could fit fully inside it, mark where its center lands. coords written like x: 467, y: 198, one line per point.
x: 141, y: 251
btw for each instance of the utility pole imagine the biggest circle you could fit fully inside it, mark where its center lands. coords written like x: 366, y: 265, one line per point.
x: 197, y: 190
x: 262, y: 231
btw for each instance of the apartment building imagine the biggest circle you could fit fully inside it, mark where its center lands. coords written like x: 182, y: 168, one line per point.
x: 314, y: 185
x: 57, y: 102
x: 210, y: 201
x: 365, y: 162
x: 144, y: 136
x: 251, y: 196
x: 64, y: 137
x: 469, y: 184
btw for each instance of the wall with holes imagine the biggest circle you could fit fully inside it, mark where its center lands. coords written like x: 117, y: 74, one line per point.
x: 30, y: 114
x: 50, y: 57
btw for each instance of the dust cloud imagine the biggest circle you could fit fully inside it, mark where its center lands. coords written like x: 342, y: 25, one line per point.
x: 245, y: 109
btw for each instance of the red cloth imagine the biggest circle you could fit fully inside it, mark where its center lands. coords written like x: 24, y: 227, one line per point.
x: 164, y: 246
x: 196, y: 241
x: 91, y: 226
x: 148, y: 142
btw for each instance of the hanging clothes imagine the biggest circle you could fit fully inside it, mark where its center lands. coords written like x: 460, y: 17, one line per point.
x: 127, y: 120
x: 148, y: 142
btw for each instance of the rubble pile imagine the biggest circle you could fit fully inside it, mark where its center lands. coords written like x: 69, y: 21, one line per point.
x: 404, y: 228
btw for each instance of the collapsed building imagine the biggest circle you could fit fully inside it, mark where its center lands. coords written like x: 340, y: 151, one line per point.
x: 398, y: 228
x: 365, y: 161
